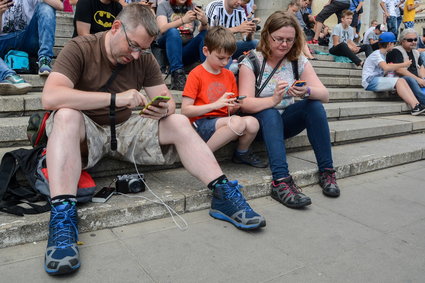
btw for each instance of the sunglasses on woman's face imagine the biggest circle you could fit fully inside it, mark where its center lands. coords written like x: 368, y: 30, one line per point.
x: 411, y: 39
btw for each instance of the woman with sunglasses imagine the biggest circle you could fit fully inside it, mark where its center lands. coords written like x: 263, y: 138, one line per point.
x: 285, y: 109
x: 177, y: 21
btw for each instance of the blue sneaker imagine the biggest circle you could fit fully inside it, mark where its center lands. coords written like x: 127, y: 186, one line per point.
x: 44, y: 67
x: 14, y: 84
x: 62, y: 255
x: 228, y: 204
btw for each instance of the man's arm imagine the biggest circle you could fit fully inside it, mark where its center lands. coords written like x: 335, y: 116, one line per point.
x: 59, y: 93
x: 82, y: 28
x: 384, y: 9
x: 56, y: 4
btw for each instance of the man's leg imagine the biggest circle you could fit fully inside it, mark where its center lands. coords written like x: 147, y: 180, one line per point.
x: 227, y: 204
x: 64, y: 167
x: 243, y: 46
x: 416, y: 89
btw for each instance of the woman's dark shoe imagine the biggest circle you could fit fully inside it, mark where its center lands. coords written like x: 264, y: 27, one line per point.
x: 327, y: 181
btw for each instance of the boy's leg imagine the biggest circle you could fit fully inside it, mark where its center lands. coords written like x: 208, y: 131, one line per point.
x: 342, y: 49
x: 227, y: 203
x: 366, y: 48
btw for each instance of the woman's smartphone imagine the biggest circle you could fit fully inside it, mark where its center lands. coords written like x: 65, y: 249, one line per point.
x: 299, y: 83
x: 103, y: 195
x: 155, y: 102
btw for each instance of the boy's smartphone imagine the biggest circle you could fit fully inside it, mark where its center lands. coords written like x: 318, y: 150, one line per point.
x: 155, y: 102
x: 103, y: 195
x: 242, y: 97
x: 299, y: 83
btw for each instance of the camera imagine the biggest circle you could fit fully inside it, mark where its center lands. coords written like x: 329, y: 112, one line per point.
x: 131, y: 183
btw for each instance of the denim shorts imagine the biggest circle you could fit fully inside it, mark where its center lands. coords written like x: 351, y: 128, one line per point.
x: 382, y: 84
x: 205, y: 127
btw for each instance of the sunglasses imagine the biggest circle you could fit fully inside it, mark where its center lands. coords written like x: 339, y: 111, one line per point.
x: 411, y: 39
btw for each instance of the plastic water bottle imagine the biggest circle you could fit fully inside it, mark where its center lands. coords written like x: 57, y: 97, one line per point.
x: 234, y: 67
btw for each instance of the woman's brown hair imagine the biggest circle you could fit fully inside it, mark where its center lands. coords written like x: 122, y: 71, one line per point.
x: 276, y: 21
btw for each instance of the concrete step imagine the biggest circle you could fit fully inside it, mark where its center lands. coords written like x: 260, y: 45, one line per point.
x: 184, y: 193
x: 341, y: 82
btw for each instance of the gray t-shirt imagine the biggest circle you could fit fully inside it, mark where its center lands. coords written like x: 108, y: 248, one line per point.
x: 186, y: 30
x: 344, y: 34
x: 18, y: 16
x: 372, y: 36
x: 371, y: 67
x: 300, y: 19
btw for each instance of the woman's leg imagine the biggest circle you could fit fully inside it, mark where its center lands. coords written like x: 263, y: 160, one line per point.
x: 173, y: 45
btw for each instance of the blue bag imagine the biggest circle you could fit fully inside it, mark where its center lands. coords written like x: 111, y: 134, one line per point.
x: 18, y: 61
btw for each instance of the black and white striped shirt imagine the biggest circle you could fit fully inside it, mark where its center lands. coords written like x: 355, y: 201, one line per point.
x: 217, y: 15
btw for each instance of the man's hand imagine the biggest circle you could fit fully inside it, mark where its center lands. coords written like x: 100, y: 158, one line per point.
x: 156, y: 112
x: 130, y: 99
x: 247, y: 26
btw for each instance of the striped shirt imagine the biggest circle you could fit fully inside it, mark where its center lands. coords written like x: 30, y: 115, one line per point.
x: 217, y: 15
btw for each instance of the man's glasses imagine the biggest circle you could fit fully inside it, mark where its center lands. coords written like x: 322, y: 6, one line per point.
x: 132, y: 46
x: 282, y: 40
x: 411, y: 39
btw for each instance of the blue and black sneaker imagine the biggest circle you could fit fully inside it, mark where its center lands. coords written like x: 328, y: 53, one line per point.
x: 62, y: 255
x: 228, y: 204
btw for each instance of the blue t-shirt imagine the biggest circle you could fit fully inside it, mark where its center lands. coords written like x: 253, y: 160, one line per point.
x: 354, y: 4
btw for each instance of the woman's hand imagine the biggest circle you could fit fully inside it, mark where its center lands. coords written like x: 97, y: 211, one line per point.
x: 298, y: 91
x: 4, y: 5
x: 189, y: 17
x: 200, y: 16
x: 280, y: 91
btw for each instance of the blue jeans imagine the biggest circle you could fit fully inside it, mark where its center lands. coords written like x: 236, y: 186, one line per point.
x: 416, y: 89
x: 392, y: 24
x: 38, y: 38
x: 178, y: 54
x: 275, y: 128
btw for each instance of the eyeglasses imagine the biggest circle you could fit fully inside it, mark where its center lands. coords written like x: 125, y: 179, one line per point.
x: 133, y: 47
x: 411, y: 39
x: 282, y: 40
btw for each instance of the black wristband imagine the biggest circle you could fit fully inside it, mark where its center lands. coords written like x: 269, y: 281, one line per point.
x: 112, y: 122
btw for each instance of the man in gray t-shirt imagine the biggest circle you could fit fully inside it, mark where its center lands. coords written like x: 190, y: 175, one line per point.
x: 341, y: 41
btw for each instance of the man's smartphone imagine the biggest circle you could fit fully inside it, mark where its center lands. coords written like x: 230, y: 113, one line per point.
x: 239, y: 98
x: 103, y: 195
x: 155, y: 102
x: 299, y: 83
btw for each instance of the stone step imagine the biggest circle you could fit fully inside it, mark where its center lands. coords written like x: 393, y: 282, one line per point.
x: 19, y: 105
x: 343, y: 130
x: 342, y: 82
x: 184, y: 193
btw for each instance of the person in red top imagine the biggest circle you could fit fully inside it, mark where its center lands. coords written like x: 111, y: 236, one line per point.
x: 210, y: 98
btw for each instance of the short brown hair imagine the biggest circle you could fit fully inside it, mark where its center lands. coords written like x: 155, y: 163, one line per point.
x: 134, y: 15
x: 346, y: 13
x: 219, y: 38
x: 276, y: 21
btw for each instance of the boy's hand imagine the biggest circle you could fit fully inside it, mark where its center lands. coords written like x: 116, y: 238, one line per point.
x: 224, y: 100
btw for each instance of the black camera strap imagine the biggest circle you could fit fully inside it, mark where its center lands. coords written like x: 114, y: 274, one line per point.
x: 112, y: 119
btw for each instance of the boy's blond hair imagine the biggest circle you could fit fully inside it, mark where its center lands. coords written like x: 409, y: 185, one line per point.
x: 220, y: 39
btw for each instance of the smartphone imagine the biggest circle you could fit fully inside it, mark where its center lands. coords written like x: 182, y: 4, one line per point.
x: 103, y: 195
x: 255, y: 21
x: 299, y: 83
x: 155, y: 102
x: 242, y: 97
x: 199, y: 7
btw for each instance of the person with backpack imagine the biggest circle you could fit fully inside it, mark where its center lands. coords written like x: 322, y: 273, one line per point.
x: 27, y: 25
x: 271, y: 99
x: 93, y: 118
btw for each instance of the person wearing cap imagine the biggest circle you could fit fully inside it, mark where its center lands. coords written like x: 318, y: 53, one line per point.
x: 375, y: 68
x: 415, y: 73
x: 373, y: 37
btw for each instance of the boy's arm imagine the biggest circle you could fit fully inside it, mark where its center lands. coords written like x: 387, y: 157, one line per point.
x: 191, y: 110
x: 393, y: 67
